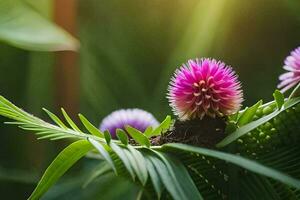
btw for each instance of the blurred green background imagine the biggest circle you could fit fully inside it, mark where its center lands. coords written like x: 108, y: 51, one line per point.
x: 129, y: 50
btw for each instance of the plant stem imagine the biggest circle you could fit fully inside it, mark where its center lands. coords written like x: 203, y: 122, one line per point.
x: 294, y: 91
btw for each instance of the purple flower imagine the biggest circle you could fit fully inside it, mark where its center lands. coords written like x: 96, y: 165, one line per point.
x: 292, y: 77
x: 204, y: 87
x: 135, y: 118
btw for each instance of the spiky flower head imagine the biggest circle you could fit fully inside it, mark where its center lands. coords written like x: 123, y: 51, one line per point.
x: 204, y: 87
x: 135, y: 118
x: 292, y: 77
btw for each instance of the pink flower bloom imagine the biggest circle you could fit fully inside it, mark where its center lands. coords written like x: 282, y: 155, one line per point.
x: 292, y: 77
x: 204, y: 87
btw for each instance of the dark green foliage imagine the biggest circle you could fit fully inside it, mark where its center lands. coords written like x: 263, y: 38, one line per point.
x: 267, y: 114
x: 178, y: 171
x: 282, y: 130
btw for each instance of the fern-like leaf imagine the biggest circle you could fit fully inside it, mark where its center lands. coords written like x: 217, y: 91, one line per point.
x: 174, y: 171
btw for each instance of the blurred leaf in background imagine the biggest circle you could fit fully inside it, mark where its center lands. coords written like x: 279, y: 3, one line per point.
x: 24, y: 27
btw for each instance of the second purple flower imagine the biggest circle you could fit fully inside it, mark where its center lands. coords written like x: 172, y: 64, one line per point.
x: 135, y: 118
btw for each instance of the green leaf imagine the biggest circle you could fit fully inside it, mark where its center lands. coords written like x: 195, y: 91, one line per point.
x: 123, y: 156
x: 248, y: 114
x: 134, y: 162
x: 29, y: 122
x: 55, y: 119
x: 234, y: 117
x: 148, y: 131
x: 285, y: 159
x: 252, y: 184
x: 101, y: 169
x: 90, y: 127
x: 168, y: 179
x: 155, y: 178
x: 23, y: 27
x: 252, y: 125
x: 138, y: 136
x: 8, y: 106
x: 104, y: 153
x: 122, y: 136
x: 163, y: 126
x: 183, y: 177
x: 70, y: 121
x: 107, y: 136
x: 65, y: 159
x: 172, y: 171
x: 141, y: 169
x: 239, y: 161
x: 279, y: 98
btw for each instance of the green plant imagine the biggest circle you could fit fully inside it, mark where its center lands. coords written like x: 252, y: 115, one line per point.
x: 239, y: 169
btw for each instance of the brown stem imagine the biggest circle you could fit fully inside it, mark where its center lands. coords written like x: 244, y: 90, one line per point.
x: 66, y: 68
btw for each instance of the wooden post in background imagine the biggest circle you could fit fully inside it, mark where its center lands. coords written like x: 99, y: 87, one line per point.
x: 66, y: 65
